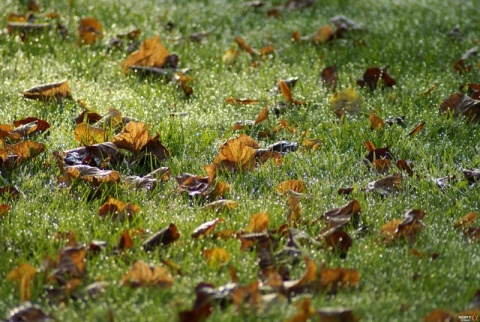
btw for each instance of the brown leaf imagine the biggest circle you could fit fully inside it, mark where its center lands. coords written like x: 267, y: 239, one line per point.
x: 329, y: 77
x: 26, y: 149
x: 459, y: 65
x: 163, y: 237
x: 202, y: 307
x: 369, y: 146
x: 28, y: 127
x: 216, y: 256
x: 466, y: 220
x: 380, y: 153
x: 387, y: 185
x: 406, y: 166
x: 461, y: 104
x: 221, y: 205
x: 336, y: 239
x: 241, y: 101
x: 141, y: 274
x: 243, y: 45
x: 345, y: 190
x: 92, y: 174
x: 258, y: 223
x: 97, y: 155
x: 372, y: 76
x: 323, y: 35
x: 430, y: 90
x: 408, y: 227
x: 22, y: 275
x: 337, y: 314
x: 117, y: 209
x: 376, y: 122
x: 4, y: 208
x: 134, y: 137
x: 90, y: 30
x: 262, y: 116
x: 237, y: 154
x: 294, y: 185
x: 439, y: 316
x: 154, y: 151
x: 29, y: 312
x: 70, y: 263
x: 333, y: 278
x: 88, y: 117
x: 307, y: 279
x: 286, y: 91
x: 205, y: 228
x: 88, y: 134
x: 417, y: 129
x: 126, y: 241
x: 50, y: 92
x: 9, y: 192
x: 474, y: 91
x: 151, y: 54
x: 264, y: 51
x: 339, y: 217
x: 472, y: 175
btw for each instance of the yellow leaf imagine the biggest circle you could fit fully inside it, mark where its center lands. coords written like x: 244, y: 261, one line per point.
x: 258, y: 223
x: 89, y: 135
x: 347, y: 100
x: 151, y: 54
x: 133, y: 138
x: 230, y: 56
x: 22, y: 275
x: 141, y: 274
x: 216, y: 256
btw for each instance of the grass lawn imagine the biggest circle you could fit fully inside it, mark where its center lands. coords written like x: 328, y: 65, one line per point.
x: 428, y: 265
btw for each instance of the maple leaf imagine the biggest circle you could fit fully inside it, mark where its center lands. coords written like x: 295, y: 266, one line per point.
x: 90, y: 30
x: 237, y: 154
x: 141, y: 274
x: 50, y: 92
x: 151, y: 54
x: 22, y: 275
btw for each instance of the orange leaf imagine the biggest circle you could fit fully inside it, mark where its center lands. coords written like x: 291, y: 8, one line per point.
x: 4, y: 208
x: 323, y: 34
x: 262, y: 116
x: 141, y: 274
x: 71, y: 261
x: 23, y: 274
x: 308, y: 277
x: 118, y: 210
x: 90, y: 30
x: 329, y: 77
x: 267, y: 50
x: 241, y: 101
x: 376, y: 122
x: 221, y: 205
x: 92, y: 174
x: 133, y: 138
x: 237, y: 154
x: 258, y: 223
x: 216, y: 256
x: 205, y: 228
x: 26, y: 149
x: 294, y: 185
x: 285, y: 90
x: 89, y: 135
x: 50, y: 92
x: 125, y: 242
x: 243, y: 45
x: 466, y: 220
x: 461, y: 104
x: 417, y: 129
x: 439, y: 316
x: 370, y: 147
x: 165, y: 236
x: 341, y: 216
x: 332, y: 278
x: 294, y: 209
x: 151, y: 54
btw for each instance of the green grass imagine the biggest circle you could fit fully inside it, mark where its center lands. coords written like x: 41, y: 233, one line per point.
x: 409, y: 36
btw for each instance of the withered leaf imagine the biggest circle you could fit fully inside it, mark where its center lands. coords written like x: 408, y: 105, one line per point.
x: 28, y: 312
x: 387, y: 185
x: 133, y: 138
x: 9, y: 192
x: 141, y: 274
x: 323, y: 35
x: 294, y: 185
x: 337, y: 314
x: 310, y: 275
x: 202, y: 306
x: 375, y: 154
x: 339, y: 217
x: 294, y: 212
x: 151, y: 54
x: 118, y: 210
x: 329, y: 77
x: 4, y: 208
x: 473, y: 91
x: 237, y: 154
x: 376, y: 122
x: 336, y: 239
x: 26, y: 149
x: 90, y: 30
x: 28, y: 127
x: 347, y: 100
x: 126, y: 241
x: 92, y: 174
x: 406, y: 166
x: 461, y: 104
x: 408, y: 227
x: 287, y: 93
x: 333, y: 278
x: 70, y: 263
x: 466, y: 220
x: 243, y: 45
x: 459, y: 65
x: 22, y: 275
x: 88, y: 134
x: 472, y: 175
x: 258, y: 223
x: 241, y: 101
x: 205, y: 228
x: 216, y: 256
x: 97, y: 155
x: 230, y: 56
x: 149, y: 181
x: 221, y: 205
x: 304, y: 311
x: 439, y: 315
x: 417, y: 129
x: 262, y: 116
x: 345, y: 190
x: 372, y: 76
x: 50, y: 92
x: 163, y: 237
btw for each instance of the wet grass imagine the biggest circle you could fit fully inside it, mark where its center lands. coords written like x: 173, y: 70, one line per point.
x: 408, y: 36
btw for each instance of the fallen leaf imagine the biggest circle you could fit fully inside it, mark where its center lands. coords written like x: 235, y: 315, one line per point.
x: 28, y: 127
x: 334, y: 278
x: 329, y: 77
x: 237, y: 154
x: 417, y: 129
x: 216, y: 256
x: 409, y: 227
x: 141, y: 274
x: 134, y: 137
x: 466, y: 220
x: 294, y: 209
x: 70, y: 263
x: 205, y: 228
x: 221, y: 205
x: 92, y: 174
x: 286, y: 91
x: 9, y: 192
x: 472, y: 175
x: 230, y: 56
x: 202, y: 307
x: 377, y: 154
x: 387, y: 185
x: 258, y: 223
x: 262, y: 116
x: 336, y: 239
x: 294, y: 185
x: 461, y: 104
x: 345, y: 191
x: 50, y: 92
x: 304, y: 311
x: 337, y: 314
x: 118, y: 210
x: 163, y: 237
x: 90, y: 30
x: 439, y: 316
x: 243, y: 45
x: 376, y: 123
x: 347, y: 100
x: 88, y: 134
x: 151, y: 54
x: 430, y: 90
x: 323, y: 35
x: 372, y: 76
x: 406, y: 166
x: 459, y: 65
x: 29, y: 312
x: 22, y: 275
x: 126, y: 241
x: 241, y: 101
x: 341, y: 216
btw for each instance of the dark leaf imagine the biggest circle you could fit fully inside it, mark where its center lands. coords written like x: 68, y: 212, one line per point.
x: 372, y: 76
x: 163, y: 237
x: 50, y: 92
x: 339, y: 217
x: 387, y: 185
x: 28, y: 312
x: 472, y: 175
x: 205, y: 228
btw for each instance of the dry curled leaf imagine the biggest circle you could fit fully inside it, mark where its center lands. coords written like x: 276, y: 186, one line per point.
x: 262, y: 116
x: 205, y: 228
x: 237, y: 154
x: 141, y: 274
x: 258, y: 223
x: 408, y: 228
x: 28, y: 312
x: 417, y: 129
x: 118, y: 210
x: 221, y: 205
x: 329, y: 77
x: 287, y: 93
x: 70, y: 263
x: 376, y: 123
x: 151, y: 54
x: 50, y: 92
x: 339, y: 217
x: 88, y: 134
x: 461, y: 104
x: 459, y: 65
x: 91, y: 174
x: 163, y: 237
x: 133, y: 138
x: 243, y: 45
x: 387, y: 185
x: 241, y: 101
x: 373, y: 75
x: 216, y: 256
x: 294, y: 185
